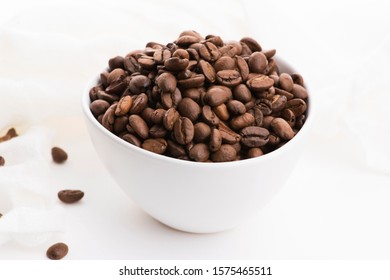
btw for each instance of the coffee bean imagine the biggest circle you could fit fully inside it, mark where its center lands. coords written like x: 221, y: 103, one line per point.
x: 229, y: 50
x: 282, y: 128
x: 254, y: 136
x: 139, y: 104
x: 228, y: 135
x: 243, y: 68
x: 157, y: 116
x: 186, y: 40
x: 254, y: 152
x: 101, y: 94
x: 225, y: 63
x: 209, y: 52
x: 225, y: 153
x: 299, y: 91
x: 289, y: 116
x: 139, y: 84
x: 181, y: 53
x: 215, y: 140
x: 58, y: 155
x: 193, y: 82
x: 299, y: 121
x: 193, y: 93
x: 278, y: 103
x: 297, y: 105
x: 269, y: 53
x: 175, y: 150
x: 257, y: 62
x: 120, y: 124
x: 207, y: 70
x: 285, y: 93
x: 242, y: 93
x: 161, y: 55
x: 139, y: 125
x: 157, y: 131
x: 114, y: 75
x: 242, y: 121
x: 146, y: 62
x: 176, y: 64
x: 116, y: 62
x: 131, y: 64
x: 209, y: 116
x: 183, y: 130
x: 199, y: 152
x: 252, y: 44
x: 201, y: 132
x: 258, y: 114
x: 132, y: 139
x: 189, y: 108
x: 229, y: 78
x: 267, y: 121
x: 170, y: 100
x: 273, y: 139
x: 245, y: 50
x: 222, y: 112
x: 57, y: 251
x: 260, y: 83
x: 158, y: 145
x: 297, y: 79
x: 70, y: 196
x: 123, y: 106
x: 166, y: 82
x: 2, y: 161
x: 170, y: 117
x: 235, y: 107
x: 216, y: 95
x: 147, y: 115
x: 286, y: 82
x: 265, y: 106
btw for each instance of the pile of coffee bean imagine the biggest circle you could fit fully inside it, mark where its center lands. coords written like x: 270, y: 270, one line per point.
x: 201, y: 99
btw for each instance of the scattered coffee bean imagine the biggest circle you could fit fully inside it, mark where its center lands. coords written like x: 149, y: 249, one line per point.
x: 70, y: 196
x: 57, y: 251
x: 58, y: 155
x: 201, y: 99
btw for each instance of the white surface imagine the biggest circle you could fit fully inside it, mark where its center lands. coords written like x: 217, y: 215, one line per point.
x: 335, y: 204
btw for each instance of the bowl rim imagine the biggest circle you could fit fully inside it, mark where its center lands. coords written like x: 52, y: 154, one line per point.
x: 304, y: 130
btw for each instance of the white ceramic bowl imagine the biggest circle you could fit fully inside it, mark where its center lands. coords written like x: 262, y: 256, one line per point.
x: 190, y: 196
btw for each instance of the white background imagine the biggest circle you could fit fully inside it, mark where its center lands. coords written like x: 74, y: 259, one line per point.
x: 335, y: 205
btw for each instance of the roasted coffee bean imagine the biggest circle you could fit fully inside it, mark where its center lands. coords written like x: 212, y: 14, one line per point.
x: 57, y: 251
x: 181, y: 53
x: 146, y: 62
x: 254, y: 152
x: 132, y: 139
x: 170, y: 100
x: 297, y: 105
x: 199, y: 152
x: 209, y: 52
x: 11, y: 133
x: 58, y: 155
x: 260, y: 83
x: 265, y: 106
x: 243, y: 68
x: 131, y: 64
x: 120, y: 124
x: 201, y: 132
x: 222, y: 112
x: 175, y: 150
x: 229, y: 78
x: 282, y: 128
x: 189, y: 108
x: 193, y: 82
x: 176, y: 64
x: 297, y: 79
x: 225, y: 153
x: 242, y: 121
x: 215, y: 140
x: 147, y: 115
x: 116, y: 62
x: 102, y: 95
x: 104, y: 78
x: 70, y: 196
x: 284, y: 93
x: 254, y: 136
x: 216, y: 40
x: 269, y: 53
x: 252, y: 44
x: 257, y: 62
x: 115, y: 75
x: 278, y: 103
x: 299, y: 91
x: 166, y: 82
x: 286, y: 82
x: 157, y: 116
x: 183, y: 130
x: 139, y: 104
x: 139, y: 84
x: 123, y: 106
x: 225, y: 63
x: 242, y: 93
x: 246, y: 51
x: 161, y: 55
x: 229, y: 50
x: 158, y: 131
x: 228, y: 135
x: 209, y: 116
x: 273, y: 139
x: 170, y: 117
x: 139, y: 125
x: 235, y: 107
x: 186, y: 40
x: 2, y: 162
x: 237, y: 45
x: 193, y: 93
x: 216, y: 95
x: 258, y: 114
x: 207, y: 70
x: 289, y: 116
x: 267, y: 121
x: 299, y: 121
x: 158, y: 145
